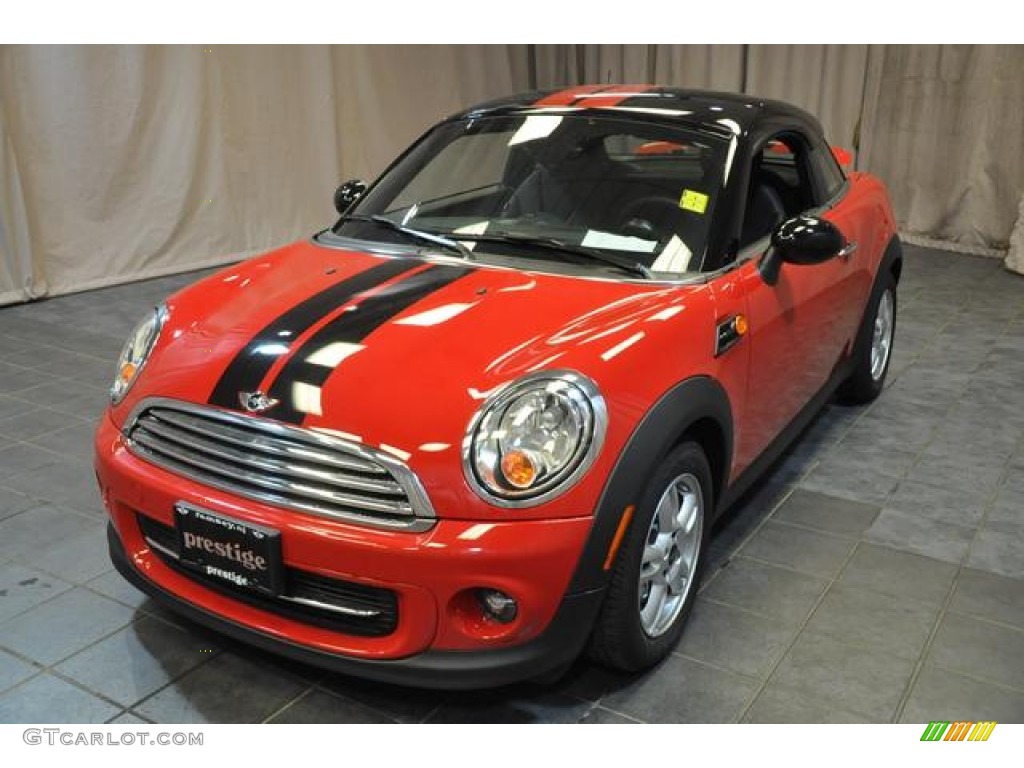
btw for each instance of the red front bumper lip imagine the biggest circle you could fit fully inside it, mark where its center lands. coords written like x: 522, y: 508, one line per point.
x: 560, y: 643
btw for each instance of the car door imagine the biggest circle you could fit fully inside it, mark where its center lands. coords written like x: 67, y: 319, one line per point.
x: 800, y: 327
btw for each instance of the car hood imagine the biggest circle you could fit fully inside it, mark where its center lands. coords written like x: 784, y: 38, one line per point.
x: 396, y: 352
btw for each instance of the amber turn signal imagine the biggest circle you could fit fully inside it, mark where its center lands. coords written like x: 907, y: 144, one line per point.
x: 519, y: 469
x: 127, y: 372
x: 740, y: 324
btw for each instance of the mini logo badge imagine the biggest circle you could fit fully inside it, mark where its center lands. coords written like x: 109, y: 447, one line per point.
x: 256, y: 402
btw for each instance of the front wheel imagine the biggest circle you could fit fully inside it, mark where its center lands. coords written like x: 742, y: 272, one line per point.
x: 657, y: 571
x: 873, y: 349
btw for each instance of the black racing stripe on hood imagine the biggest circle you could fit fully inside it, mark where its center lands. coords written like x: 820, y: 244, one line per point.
x: 247, y: 369
x: 352, y: 327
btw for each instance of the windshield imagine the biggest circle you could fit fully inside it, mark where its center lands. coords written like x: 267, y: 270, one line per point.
x: 617, y: 193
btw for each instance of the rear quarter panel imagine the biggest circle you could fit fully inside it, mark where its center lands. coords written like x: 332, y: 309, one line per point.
x: 864, y: 215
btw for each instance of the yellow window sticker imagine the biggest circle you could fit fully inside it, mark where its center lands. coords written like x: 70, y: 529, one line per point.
x: 693, y: 201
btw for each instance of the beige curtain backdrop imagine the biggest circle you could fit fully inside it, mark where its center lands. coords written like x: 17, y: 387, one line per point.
x: 122, y: 162
x: 944, y: 126
x: 826, y: 80
x: 718, y: 67
x: 17, y: 281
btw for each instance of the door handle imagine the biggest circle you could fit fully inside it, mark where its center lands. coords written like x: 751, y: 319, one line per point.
x: 847, y: 250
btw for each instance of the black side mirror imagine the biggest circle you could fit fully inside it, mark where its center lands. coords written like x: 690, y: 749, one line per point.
x: 800, y: 240
x: 347, y: 194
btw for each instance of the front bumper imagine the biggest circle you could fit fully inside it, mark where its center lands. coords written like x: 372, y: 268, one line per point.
x: 434, y: 644
x: 557, y: 646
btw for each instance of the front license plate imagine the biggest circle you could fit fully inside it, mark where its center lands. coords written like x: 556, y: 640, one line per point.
x: 223, y: 548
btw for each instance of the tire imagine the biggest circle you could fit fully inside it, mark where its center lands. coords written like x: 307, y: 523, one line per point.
x: 632, y: 632
x: 867, y: 379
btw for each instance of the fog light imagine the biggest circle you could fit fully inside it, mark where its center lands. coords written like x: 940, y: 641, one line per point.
x: 497, y: 605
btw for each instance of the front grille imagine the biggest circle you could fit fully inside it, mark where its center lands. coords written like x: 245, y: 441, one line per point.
x: 322, y: 601
x: 279, y: 464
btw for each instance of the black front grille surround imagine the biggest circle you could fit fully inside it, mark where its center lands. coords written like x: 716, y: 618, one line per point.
x: 322, y: 601
x: 285, y: 466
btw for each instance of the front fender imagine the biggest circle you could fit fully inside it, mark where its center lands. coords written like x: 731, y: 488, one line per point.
x: 696, y: 401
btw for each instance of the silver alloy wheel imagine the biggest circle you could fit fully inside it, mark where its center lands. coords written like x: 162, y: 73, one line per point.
x: 670, y: 554
x: 881, y: 340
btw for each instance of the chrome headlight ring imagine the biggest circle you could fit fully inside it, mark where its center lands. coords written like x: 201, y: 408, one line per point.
x: 136, y: 351
x: 534, y: 438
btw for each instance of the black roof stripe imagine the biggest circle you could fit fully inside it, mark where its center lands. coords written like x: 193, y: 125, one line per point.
x: 700, y: 106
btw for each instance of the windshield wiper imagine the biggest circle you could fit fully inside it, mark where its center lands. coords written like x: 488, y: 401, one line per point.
x: 553, y: 244
x: 414, y: 234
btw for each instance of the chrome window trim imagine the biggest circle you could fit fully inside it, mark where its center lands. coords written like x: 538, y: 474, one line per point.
x: 423, y: 516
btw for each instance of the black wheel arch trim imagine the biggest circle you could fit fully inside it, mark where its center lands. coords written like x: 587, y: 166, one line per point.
x: 696, y: 400
x: 890, y: 263
x: 892, y: 258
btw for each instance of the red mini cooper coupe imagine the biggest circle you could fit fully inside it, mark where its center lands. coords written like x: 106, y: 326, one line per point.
x: 487, y: 419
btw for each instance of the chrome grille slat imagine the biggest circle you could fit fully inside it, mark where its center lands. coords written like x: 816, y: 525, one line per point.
x: 207, y: 464
x: 363, y: 613
x: 165, y: 431
x: 259, y: 442
x: 279, y: 464
x: 274, y: 498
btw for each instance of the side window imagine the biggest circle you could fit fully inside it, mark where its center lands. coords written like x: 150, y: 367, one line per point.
x: 829, y: 177
x: 780, y: 186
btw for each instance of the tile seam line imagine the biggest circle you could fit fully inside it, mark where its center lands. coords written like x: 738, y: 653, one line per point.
x: 599, y: 705
x: 818, y: 699
x: 716, y: 667
x: 631, y: 718
x: 735, y: 550
x: 321, y: 686
x: 41, y: 448
x: 40, y: 604
x: 944, y: 610
x: 796, y: 635
x: 288, y: 704
x: 52, y: 668
x: 826, y: 534
x: 787, y: 568
x: 28, y: 441
x: 749, y: 611
x: 135, y: 704
x: 984, y: 680
x: 915, y: 673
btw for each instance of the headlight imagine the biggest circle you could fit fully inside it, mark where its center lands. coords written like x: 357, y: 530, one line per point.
x: 534, y: 438
x: 135, y: 353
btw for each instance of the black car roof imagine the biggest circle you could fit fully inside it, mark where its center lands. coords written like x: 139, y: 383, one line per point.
x: 715, y: 110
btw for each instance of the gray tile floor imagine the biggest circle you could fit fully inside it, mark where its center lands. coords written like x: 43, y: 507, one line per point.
x: 876, y: 575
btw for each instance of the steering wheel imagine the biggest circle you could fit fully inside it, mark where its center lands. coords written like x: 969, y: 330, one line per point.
x: 649, y: 217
